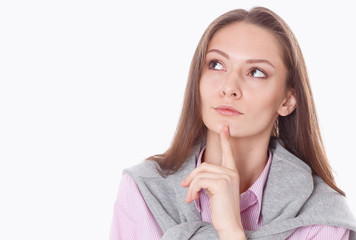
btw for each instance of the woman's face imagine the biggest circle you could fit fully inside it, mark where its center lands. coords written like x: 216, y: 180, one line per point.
x: 243, y: 81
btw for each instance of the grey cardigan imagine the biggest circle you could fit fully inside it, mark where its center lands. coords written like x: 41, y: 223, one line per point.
x: 293, y: 197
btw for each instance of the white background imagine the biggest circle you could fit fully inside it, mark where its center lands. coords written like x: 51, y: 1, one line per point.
x: 91, y: 87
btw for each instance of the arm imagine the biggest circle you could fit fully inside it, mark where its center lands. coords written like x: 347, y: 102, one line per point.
x: 132, y: 218
x: 319, y: 232
x: 123, y: 226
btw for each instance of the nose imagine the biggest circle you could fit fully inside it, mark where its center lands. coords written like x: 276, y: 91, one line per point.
x: 230, y: 92
x: 231, y: 87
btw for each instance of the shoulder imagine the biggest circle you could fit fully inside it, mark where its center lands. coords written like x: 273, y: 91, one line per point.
x: 289, y: 177
x: 128, y: 191
x: 282, y: 156
x: 328, y: 203
x: 132, y: 218
x: 151, y: 169
x: 146, y: 177
x: 145, y: 169
x: 301, y: 193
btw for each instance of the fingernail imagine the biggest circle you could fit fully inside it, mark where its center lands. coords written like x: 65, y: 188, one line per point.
x: 223, y: 128
x: 226, y: 131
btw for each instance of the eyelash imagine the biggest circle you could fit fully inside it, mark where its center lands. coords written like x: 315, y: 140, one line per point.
x: 214, y: 61
x: 250, y: 70
x: 256, y: 68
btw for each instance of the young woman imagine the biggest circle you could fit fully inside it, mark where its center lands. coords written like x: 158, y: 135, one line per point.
x: 247, y: 160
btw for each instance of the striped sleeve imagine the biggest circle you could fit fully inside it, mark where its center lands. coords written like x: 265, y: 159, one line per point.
x: 132, y: 218
x: 320, y: 232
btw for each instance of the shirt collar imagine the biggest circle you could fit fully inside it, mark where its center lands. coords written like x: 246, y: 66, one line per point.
x: 256, y: 189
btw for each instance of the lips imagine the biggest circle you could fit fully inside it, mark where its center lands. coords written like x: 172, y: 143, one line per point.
x: 227, y: 110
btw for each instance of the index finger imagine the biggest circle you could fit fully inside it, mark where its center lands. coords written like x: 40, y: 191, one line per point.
x: 228, y: 160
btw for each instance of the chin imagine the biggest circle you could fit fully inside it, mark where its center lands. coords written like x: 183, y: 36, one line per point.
x: 216, y: 128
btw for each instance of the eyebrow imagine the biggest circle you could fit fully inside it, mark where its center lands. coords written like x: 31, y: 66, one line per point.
x: 219, y: 52
x: 260, y: 61
x: 247, y: 61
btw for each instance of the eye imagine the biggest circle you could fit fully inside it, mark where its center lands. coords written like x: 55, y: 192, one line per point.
x: 255, y: 72
x: 215, y: 65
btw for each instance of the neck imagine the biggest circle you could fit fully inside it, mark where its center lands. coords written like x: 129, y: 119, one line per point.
x: 250, y: 154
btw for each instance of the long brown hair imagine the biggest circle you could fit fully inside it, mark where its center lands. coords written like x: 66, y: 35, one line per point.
x: 299, y: 131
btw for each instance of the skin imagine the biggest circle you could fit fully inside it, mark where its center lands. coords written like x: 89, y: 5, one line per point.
x: 237, y: 146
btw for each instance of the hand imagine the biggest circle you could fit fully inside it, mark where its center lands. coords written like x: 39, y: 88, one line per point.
x: 223, y: 187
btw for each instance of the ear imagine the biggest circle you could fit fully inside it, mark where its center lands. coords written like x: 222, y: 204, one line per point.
x: 288, y: 105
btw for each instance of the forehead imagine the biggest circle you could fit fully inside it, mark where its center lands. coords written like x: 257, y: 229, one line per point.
x: 246, y: 40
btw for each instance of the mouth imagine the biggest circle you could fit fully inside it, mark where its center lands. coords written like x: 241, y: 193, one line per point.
x: 227, y: 110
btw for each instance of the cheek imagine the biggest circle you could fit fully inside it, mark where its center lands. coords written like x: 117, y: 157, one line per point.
x: 207, y: 90
x: 265, y: 104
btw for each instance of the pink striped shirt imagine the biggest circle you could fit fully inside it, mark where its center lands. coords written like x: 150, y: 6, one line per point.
x: 133, y: 219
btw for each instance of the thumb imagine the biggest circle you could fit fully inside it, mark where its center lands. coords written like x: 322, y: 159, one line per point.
x: 228, y: 160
